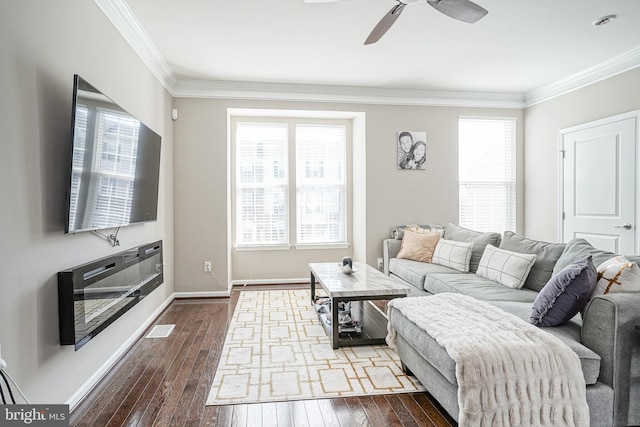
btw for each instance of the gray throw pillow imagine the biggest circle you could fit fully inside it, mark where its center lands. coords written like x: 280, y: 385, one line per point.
x: 565, y: 294
x: 578, y: 249
x: 397, y: 232
x: 547, y: 254
x: 480, y: 241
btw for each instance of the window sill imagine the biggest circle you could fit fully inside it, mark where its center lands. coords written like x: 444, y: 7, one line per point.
x: 310, y: 246
x: 249, y: 248
x: 300, y: 246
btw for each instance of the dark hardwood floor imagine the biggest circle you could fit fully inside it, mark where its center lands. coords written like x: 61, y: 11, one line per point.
x: 165, y: 382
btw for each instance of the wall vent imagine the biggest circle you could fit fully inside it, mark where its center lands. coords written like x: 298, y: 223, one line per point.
x: 160, y: 331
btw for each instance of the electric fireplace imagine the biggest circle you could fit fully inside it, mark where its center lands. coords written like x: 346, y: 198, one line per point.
x: 93, y: 295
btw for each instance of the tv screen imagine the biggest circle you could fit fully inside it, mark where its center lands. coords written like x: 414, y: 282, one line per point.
x: 115, y: 164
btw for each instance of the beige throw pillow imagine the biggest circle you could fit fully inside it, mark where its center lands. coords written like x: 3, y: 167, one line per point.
x: 617, y: 274
x: 418, y: 246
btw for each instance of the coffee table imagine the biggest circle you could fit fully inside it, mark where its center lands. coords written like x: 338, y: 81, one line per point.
x: 360, y: 288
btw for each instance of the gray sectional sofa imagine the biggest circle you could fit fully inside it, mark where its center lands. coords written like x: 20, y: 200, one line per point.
x: 605, y: 336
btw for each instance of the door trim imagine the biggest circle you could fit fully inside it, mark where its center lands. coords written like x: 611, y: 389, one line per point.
x: 635, y: 114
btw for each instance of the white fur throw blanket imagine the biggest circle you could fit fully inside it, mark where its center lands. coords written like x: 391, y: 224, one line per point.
x: 509, y: 372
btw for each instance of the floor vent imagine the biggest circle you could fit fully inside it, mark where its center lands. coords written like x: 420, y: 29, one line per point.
x: 160, y: 331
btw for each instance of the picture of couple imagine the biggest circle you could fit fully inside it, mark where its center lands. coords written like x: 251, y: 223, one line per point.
x: 412, y: 150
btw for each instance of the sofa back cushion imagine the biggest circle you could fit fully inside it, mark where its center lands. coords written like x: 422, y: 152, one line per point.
x: 479, y: 240
x: 579, y: 249
x: 547, y: 254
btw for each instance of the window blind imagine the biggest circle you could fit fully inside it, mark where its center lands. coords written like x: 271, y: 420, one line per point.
x: 487, y: 173
x: 321, y: 183
x: 262, y: 183
x: 79, y: 152
x: 114, y: 164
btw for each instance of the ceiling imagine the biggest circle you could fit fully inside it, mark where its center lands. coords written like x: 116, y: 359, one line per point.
x: 521, y: 48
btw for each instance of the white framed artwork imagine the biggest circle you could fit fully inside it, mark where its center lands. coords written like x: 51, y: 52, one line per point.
x: 412, y: 150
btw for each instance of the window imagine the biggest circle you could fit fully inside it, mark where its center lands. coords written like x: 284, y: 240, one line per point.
x: 487, y: 173
x: 272, y: 157
x: 262, y: 184
x: 320, y: 183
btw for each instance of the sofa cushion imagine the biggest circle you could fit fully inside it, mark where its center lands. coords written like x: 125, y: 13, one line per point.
x: 569, y: 333
x: 418, y: 246
x: 450, y: 253
x: 565, y: 294
x: 578, y: 249
x: 424, y: 344
x: 414, y: 272
x: 437, y: 356
x: 547, y: 254
x: 505, y: 267
x: 477, y: 287
x: 480, y: 240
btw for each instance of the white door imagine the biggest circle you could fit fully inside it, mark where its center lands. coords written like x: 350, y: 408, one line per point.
x: 598, y: 190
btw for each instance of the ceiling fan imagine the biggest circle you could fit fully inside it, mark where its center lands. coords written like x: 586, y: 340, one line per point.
x: 462, y: 10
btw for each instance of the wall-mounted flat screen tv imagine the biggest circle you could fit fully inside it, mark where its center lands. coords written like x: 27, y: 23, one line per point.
x: 115, y: 164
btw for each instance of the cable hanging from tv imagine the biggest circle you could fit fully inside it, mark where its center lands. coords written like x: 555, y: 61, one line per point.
x: 111, y: 238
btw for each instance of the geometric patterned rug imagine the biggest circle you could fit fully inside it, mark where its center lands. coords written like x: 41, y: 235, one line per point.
x: 277, y: 350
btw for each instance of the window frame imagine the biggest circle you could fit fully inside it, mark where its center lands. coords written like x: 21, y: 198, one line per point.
x: 291, y: 200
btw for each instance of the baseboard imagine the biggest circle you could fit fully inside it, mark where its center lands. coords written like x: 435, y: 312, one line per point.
x: 106, y: 366
x: 209, y: 294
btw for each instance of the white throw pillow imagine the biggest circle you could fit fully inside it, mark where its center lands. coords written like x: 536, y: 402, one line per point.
x: 617, y: 274
x: 505, y: 267
x: 456, y: 255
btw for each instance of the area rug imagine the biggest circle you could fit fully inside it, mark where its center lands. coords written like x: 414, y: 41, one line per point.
x: 277, y: 350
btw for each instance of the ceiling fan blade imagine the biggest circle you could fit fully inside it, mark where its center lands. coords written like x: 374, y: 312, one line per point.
x: 462, y: 10
x: 385, y: 23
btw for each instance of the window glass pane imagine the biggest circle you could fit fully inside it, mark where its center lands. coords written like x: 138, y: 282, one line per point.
x: 113, y: 166
x: 487, y: 174
x: 261, y: 183
x: 321, y: 183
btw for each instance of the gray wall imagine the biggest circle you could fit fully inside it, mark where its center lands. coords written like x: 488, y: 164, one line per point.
x: 42, y: 44
x: 392, y: 197
x: 609, y: 97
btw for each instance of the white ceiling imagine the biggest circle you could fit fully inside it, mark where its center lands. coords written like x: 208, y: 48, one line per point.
x: 520, y: 47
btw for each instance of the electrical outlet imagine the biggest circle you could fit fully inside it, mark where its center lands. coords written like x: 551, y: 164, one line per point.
x: 380, y: 264
x: 207, y: 266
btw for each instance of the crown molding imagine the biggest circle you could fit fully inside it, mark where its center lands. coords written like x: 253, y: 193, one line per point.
x: 123, y: 18
x: 342, y: 94
x: 612, y: 67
